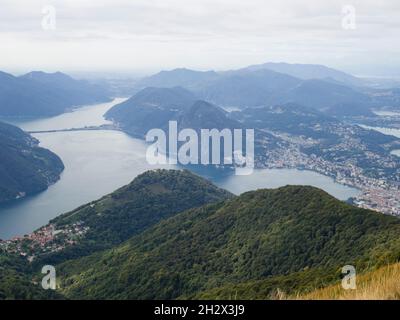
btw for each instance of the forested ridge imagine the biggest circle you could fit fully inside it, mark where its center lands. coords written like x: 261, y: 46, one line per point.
x: 25, y: 168
x: 294, y: 238
x: 173, y: 235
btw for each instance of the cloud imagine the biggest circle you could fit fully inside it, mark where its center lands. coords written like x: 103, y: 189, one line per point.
x: 206, y: 34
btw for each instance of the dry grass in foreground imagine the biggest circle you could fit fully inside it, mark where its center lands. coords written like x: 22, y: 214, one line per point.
x: 382, y: 284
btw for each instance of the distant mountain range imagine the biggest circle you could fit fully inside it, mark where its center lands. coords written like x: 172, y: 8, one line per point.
x: 25, y: 168
x: 188, y: 239
x: 268, y: 84
x: 335, y: 92
x: 248, y: 88
x: 310, y: 71
x: 181, y: 77
x: 39, y: 94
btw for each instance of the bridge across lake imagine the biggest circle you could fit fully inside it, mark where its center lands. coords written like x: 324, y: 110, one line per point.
x: 90, y: 128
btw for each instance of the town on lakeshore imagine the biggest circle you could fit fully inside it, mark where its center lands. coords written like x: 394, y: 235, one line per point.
x: 47, y: 239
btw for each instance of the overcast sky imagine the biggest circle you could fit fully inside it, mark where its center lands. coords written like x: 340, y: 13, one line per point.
x: 148, y: 35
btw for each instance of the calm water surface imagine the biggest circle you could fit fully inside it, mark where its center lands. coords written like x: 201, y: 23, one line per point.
x: 79, y: 118
x: 387, y: 131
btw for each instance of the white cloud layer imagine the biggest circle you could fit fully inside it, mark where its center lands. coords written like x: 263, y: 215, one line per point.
x: 128, y: 35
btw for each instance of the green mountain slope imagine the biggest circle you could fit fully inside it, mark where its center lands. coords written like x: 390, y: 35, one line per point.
x: 291, y: 238
x: 25, y: 168
x: 149, y: 198
x: 15, y: 282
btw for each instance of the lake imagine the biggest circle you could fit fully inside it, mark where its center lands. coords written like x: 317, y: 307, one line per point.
x: 387, y: 131
x: 85, y: 116
x: 387, y: 113
x: 99, y: 162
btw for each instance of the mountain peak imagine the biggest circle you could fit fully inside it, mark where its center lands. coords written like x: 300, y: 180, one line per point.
x: 202, y: 105
x: 153, y: 97
x: 6, y: 76
x: 45, y: 76
x: 309, y: 71
x: 183, y: 77
x: 173, y: 181
x: 204, y: 115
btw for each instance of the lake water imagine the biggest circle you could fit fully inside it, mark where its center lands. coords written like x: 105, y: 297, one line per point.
x: 387, y: 131
x: 99, y: 162
x: 275, y: 178
x: 387, y: 113
x: 79, y: 118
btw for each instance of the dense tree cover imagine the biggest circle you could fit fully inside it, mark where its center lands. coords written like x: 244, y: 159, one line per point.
x: 25, y: 168
x: 295, y: 283
x: 189, y: 239
x: 16, y: 281
x: 295, y: 238
x: 150, y: 197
